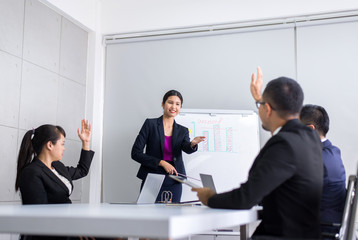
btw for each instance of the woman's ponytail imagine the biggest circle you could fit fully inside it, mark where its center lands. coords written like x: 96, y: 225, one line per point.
x: 25, y: 154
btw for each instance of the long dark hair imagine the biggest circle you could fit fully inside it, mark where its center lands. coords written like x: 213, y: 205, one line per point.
x: 172, y: 93
x: 32, y: 144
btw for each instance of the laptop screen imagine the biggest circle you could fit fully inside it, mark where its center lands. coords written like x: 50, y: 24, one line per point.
x: 151, y: 188
x: 207, y: 181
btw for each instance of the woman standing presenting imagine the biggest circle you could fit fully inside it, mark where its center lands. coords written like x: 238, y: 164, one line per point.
x: 164, y: 140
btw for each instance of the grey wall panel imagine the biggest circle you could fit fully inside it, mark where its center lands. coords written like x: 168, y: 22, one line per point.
x: 11, y: 26
x: 71, y: 102
x: 8, y: 143
x: 33, y: 91
x: 73, y: 55
x: 10, y: 80
x: 211, y: 72
x: 326, y: 64
x: 39, y: 90
x: 42, y: 35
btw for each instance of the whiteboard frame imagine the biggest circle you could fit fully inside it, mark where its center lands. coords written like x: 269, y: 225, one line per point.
x: 183, y: 111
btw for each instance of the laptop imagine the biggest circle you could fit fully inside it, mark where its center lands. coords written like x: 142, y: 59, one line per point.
x: 150, y: 190
x: 207, y: 181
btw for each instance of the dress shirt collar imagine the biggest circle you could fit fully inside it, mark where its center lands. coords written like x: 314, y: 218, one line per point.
x: 276, y: 131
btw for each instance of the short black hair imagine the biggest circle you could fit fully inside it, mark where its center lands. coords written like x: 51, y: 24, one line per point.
x: 317, y: 116
x: 172, y: 93
x: 284, y: 95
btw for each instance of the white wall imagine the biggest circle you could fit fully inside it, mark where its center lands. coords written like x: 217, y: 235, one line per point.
x: 122, y: 16
x: 43, y: 61
x: 87, y: 15
x: 43, y: 65
x: 82, y: 12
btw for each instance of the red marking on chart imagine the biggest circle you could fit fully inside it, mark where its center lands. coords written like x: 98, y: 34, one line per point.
x: 206, y: 141
x: 217, y: 140
x: 229, y: 136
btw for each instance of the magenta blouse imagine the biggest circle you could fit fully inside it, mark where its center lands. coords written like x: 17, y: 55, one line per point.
x: 168, y: 151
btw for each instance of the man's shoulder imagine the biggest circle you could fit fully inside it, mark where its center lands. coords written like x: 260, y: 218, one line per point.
x: 328, y: 144
x: 294, y: 129
x: 297, y: 138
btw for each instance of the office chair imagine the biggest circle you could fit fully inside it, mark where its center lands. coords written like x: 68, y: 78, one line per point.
x: 351, y: 223
x: 342, y: 228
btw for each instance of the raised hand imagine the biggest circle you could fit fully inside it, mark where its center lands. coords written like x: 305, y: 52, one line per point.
x: 85, y: 134
x: 256, y: 85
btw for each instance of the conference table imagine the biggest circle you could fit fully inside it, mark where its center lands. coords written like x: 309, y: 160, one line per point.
x: 121, y: 220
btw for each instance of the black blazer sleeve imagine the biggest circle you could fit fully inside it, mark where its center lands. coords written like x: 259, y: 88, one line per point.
x: 186, y: 145
x: 80, y: 171
x: 147, y: 136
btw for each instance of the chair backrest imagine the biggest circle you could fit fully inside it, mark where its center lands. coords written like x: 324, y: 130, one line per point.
x: 348, y: 207
x: 351, y: 228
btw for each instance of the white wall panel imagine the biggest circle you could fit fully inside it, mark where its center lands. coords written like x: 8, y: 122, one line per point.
x: 73, y: 63
x: 71, y: 110
x: 39, y: 92
x: 5, y: 237
x: 121, y: 16
x: 42, y: 35
x: 30, y: 56
x: 8, y: 154
x: 11, y: 26
x: 326, y: 64
x: 10, y: 69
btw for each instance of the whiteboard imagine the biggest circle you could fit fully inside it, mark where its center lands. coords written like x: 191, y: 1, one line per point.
x: 232, y: 142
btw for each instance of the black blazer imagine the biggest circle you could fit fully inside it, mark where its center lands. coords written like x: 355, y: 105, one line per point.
x: 39, y: 185
x: 286, y: 178
x: 151, y: 136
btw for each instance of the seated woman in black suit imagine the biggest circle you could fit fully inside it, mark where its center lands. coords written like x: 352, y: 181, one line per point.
x: 41, y: 177
x: 164, y: 140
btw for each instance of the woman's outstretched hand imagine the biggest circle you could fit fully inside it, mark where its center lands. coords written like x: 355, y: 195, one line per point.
x: 85, y: 134
x: 197, y: 140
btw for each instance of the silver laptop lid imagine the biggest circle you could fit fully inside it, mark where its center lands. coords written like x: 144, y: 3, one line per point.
x: 151, y: 188
x: 207, y: 181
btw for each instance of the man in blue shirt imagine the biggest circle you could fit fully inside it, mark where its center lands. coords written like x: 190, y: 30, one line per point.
x: 334, y: 184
